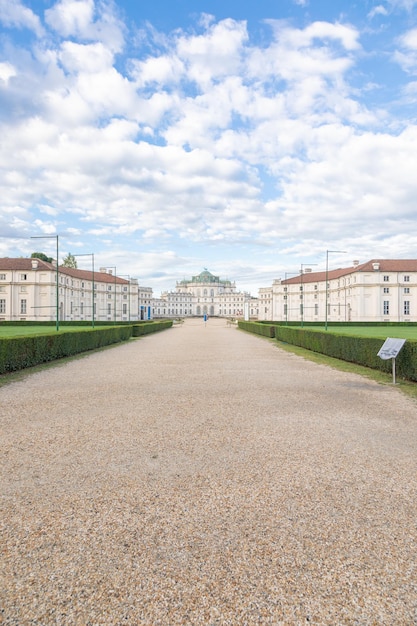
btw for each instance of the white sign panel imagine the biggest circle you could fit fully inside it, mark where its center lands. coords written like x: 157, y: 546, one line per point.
x: 391, y: 348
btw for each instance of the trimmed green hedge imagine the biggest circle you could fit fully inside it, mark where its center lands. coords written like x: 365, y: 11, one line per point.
x: 258, y: 328
x: 16, y: 353
x: 360, y: 350
x: 144, y: 328
x: 19, y: 352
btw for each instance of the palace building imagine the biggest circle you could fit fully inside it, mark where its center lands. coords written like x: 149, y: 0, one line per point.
x: 206, y: 294
x: 35, y: 290
x: 380, y: 290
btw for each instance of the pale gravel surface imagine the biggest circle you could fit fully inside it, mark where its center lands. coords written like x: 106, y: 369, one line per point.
x: 204, y: 476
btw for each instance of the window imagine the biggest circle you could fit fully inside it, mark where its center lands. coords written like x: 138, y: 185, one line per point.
x: 124, y: 309
x: 386, y: 289
x: 2, y: 305
x: 23, y: 307
x: 406, y: 289
x: 386, y: 307
x: 406, y: 279
x: 23, y: 276
x: 2, y: 276
x: 316, y: 309
x: 386, y: 279
x: 406, y: 307
x: 109, y: 309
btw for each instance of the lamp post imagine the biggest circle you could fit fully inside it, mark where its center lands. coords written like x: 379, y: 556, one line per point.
x: 92, y: 293
x: 327, y: 282
x: 57, y: 272
x: 302, y: 290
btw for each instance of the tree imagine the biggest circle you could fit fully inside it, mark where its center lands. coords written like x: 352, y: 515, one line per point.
x: 41, y: 256
x: 69, y: 261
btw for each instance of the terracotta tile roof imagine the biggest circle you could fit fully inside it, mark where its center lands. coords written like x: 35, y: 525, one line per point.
x: 385, y: 265
x: 21, y: 264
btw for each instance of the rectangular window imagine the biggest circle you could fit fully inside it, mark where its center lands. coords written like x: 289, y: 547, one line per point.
x: 2, y: 276
x: 109, y: 309
x: 406, y: 289
x: 23, y: 307
x: 406, y: 279
x: 386, y: 289
x: 316, y: 309
x: 23, y: 276
x: 386, y: 279
x: 2, y: 305
x: 406, y: 307
x: 386, y: 307
x: 124, y: 309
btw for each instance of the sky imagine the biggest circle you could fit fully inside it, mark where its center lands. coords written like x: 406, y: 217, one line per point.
x: 254, y: 139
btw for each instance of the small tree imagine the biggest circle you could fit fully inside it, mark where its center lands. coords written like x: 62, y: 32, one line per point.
x: 70, y: 261
x: 41, y: 256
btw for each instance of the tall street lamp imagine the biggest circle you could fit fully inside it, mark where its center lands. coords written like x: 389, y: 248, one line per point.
x: 57, y: 272
x: 92, y: 293
x: 327, y: 277
x: 302, y: 290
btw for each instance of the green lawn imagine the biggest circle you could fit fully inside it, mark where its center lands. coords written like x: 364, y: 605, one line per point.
x: 403, y: 332
x: 21, y: 331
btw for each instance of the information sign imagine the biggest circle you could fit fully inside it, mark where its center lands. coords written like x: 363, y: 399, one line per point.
x: 391, y: 348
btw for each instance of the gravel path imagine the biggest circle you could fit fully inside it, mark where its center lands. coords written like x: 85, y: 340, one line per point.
x: 204, y: 476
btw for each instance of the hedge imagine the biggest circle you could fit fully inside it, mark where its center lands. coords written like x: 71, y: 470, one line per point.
x: 258, y: 328
x: 360, y: 350
x: 19, y: 352
x: 16, y: 353
x: 144, y: 328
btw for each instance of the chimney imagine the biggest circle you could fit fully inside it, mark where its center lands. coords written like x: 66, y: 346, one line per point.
x: 35, y: 264
x: 355, y: 263
x: 375, y: 266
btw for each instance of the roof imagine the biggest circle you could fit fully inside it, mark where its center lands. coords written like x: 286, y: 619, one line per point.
x: 21, y: 264
x: 381, y: 265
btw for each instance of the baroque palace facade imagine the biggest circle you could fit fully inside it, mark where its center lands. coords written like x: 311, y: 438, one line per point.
x: 380, y: 290
x: 34, y: 290
x: 205, y: 294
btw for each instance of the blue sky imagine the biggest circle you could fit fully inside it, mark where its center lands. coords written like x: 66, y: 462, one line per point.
x: 248, y: 138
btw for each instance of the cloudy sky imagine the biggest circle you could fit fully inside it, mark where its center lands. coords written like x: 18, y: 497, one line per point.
x: 243, y: 137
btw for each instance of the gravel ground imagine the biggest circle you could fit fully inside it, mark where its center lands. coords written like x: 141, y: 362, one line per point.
x: 204, y: 476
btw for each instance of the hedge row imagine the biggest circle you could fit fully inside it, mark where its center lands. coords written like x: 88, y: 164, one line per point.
x: 144, y: 328
x: 266, y: 330
x: 360, y: 350
x: 16, y: 353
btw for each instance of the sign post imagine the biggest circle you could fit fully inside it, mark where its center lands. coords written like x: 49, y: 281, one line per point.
x: 390, y: 350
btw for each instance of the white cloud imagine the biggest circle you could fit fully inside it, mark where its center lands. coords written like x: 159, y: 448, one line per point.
x: 88, y: 21
x: 377, y: 10
x: 7, y: 71
x: 208, y: 139
x: 14, y: 14
x: 71, y: 17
